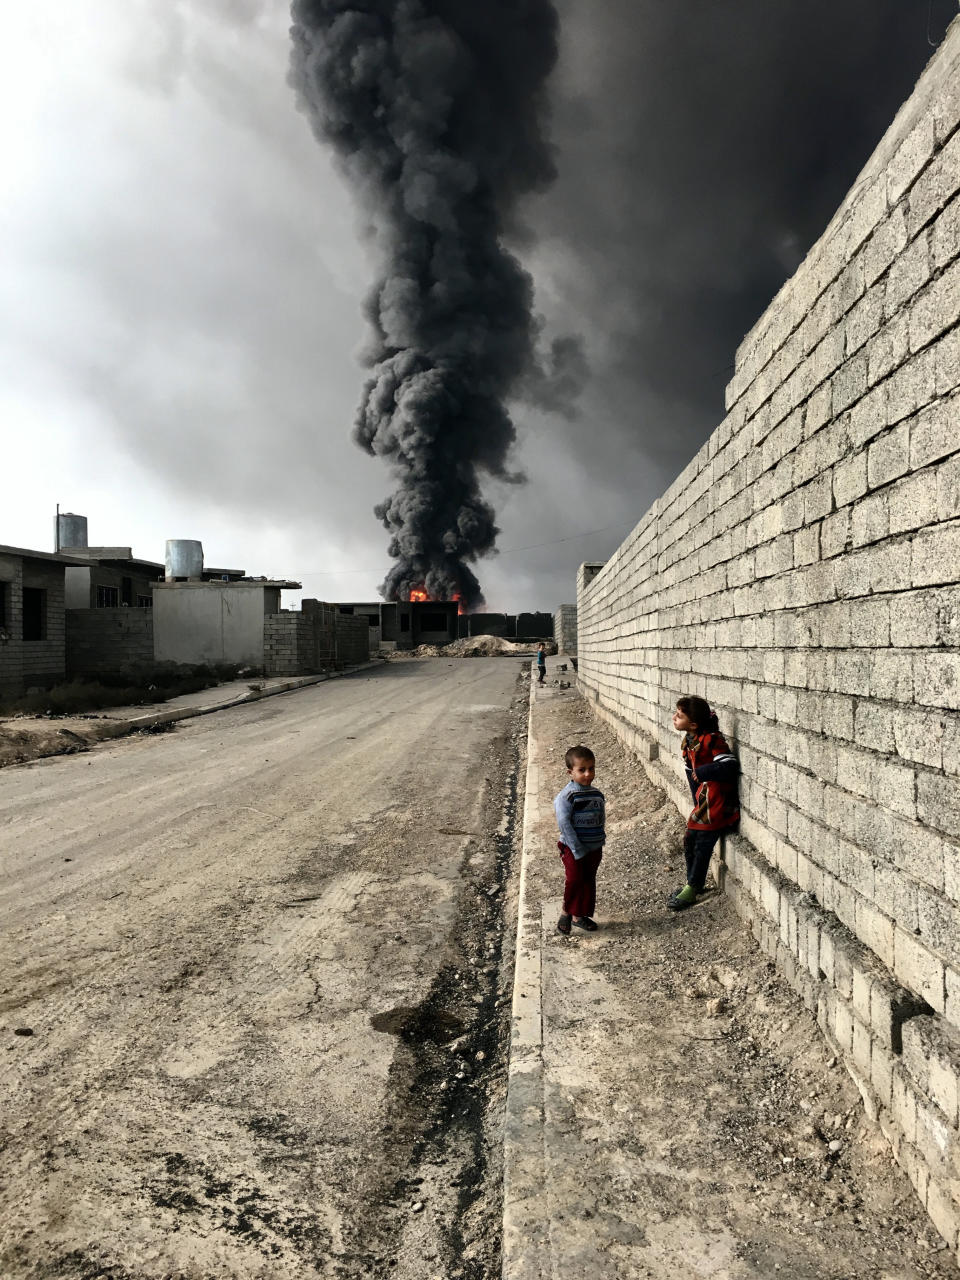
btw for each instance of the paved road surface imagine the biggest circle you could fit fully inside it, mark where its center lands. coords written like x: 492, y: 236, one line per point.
x: 250, y: 952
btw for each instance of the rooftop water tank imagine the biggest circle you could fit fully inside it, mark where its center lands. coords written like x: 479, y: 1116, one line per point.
x: 70, y: 530
x: 183, y: 559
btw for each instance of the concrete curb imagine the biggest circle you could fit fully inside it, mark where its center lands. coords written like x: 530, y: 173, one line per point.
x: 107, y: 730
x: 189, y: 713
x: 526, y: 1219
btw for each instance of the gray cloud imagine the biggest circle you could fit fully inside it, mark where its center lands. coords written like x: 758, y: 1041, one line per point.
x: 184, y: 271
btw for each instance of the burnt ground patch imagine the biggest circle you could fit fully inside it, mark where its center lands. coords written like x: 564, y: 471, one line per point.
x: 448, y: 1078
x: 236, y: 1205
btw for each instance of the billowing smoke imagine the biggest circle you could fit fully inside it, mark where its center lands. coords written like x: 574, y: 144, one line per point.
x: 434, y: 108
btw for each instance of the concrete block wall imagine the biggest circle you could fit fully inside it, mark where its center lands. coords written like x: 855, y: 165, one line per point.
x: 314, y: 638
x: 289, y: 646
x: 352, y: 640
x: 565, y: 628
x: 106, y: 640
x: 803, y: 574
x: 28, y: 663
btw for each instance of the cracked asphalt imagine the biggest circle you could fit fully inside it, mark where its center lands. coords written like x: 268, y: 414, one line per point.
x: 251, y: 1005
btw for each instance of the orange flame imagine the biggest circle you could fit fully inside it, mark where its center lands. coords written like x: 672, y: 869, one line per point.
x: 456, y: 596
x: 418, y: 594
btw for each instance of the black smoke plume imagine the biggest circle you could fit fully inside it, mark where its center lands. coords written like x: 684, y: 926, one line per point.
x: 434, y: 108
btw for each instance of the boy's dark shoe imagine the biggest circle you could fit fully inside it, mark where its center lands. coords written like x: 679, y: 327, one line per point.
x: 563, y: 924
x: 584, y: 922
x: 680, y: 901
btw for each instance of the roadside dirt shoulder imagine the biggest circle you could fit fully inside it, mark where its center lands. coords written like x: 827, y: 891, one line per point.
x: 704, y: 1127
x: 25, y: 738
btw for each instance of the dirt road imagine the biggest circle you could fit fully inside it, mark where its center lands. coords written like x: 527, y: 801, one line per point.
x: 250, y: 1007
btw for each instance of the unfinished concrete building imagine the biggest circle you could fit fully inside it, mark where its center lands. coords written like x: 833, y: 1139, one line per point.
x: 32, y: 634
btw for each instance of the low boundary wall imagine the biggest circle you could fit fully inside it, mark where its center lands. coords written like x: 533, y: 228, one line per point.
x: 565, y: 628
x: 103, y: 641
x: 803, y: 574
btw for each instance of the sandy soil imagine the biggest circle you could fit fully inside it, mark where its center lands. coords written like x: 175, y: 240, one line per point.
x: 720, y: 1136
x: 252, y: 1007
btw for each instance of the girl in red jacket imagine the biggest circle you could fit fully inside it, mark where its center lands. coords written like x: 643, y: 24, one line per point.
x: 712, y: 772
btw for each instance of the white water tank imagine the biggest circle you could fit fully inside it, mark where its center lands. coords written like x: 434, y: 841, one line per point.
x: 183, y: 559
x: 70, y: 530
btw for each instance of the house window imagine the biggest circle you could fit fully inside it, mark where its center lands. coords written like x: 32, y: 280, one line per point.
x: 144, y: 602
x: 346, y: 608
x: 126, y: 591
x: 3, y: 604
x: 34, y: 613
x: 108, y: 598
x: 404, y: 622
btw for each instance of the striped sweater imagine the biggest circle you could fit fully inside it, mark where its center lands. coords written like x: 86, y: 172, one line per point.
x: 581, y: 813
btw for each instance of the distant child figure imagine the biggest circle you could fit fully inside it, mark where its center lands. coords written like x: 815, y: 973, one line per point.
x: 712, y: 771
x: 581, y: 812
x: 541, y: 663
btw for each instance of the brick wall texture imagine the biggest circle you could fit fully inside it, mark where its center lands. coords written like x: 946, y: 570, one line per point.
x: 802, y: 575
x: 28, y: 663
x: 565, y: 628
x: 106, y: 640
x: 315, y: 638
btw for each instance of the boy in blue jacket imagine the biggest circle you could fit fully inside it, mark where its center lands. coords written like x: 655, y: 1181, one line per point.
x: 581, y: 813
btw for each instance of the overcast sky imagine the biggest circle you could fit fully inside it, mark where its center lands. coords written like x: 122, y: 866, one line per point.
x: 182, y: 275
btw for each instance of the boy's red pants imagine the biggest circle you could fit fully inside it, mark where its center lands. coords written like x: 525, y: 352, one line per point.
x: 580, y: 886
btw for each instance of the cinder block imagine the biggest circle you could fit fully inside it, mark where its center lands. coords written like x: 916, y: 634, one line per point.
x: 919, y: 970
x: 881, y: 1075
x: 850, y: 479
x: 903, y: 1106
x: 913, y: 1165
x: 934, y: 188
x: 946, y: 364
x: 935, y: 552
x: 943, y: 1211
x: 862, y: 982
x: 945, y: 241
x: 843, y: 1026
x: 935, y: 1141
x: 865, y: 319
x: 938, y: 803
x: 908, y: 273
x: 910, y: 157
x: 914, y: 384
x: 891, y: 679
x: 948, y: 490
x: 850, y: 382
x: 911, y: 502
x: 915, y: 1057
x: 935, y: 309
x: 861, y: 1047
x: 888, y: 241
x: 889, y: 456
x: 895, y: 894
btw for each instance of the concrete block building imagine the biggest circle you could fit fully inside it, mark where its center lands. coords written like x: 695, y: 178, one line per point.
x: 215, y: 622
x: 404, y: 624
x: 32, y: 634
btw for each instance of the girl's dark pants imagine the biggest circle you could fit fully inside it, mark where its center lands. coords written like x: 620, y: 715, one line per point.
x: 580, y: 887
x: 697, y: 848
